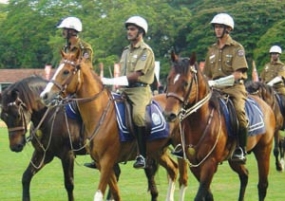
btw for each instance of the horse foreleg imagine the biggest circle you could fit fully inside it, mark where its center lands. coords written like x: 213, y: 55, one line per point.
x: 276, y: 150
x: 263, y: 159
x: 107, y: 176
x: 113, y: 187
x: 67, y: 162
x: 150, y: 171
x: 282, y: 153
x: 172, y: 169
x: 183, y: 178
x: 243, y: 177
x: 32, y: 169
x: 117, y: 171
x: 205, y: 175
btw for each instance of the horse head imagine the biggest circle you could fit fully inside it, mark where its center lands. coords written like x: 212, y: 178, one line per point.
x: 14, y: 115
x: 67, y: 78
x: 18, y: 102
x: 183, y: 88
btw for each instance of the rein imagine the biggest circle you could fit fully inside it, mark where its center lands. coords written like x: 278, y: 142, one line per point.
x: 102, y: 118
x: 44, y: 149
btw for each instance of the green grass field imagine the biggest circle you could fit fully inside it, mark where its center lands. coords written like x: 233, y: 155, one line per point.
x: 48, y: 183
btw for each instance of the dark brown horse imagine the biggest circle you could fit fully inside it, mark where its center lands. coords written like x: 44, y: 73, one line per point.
x: 269, y: 95
x: 97, y: 108
x: 52, y: 135
x: 204, y: 132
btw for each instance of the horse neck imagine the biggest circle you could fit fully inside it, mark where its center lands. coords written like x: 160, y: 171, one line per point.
x: 201, y: 98
x: 94, y: 101
x: 34, y: 107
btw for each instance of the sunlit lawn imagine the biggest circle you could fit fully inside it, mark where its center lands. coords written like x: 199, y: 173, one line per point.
x: 48, y: 183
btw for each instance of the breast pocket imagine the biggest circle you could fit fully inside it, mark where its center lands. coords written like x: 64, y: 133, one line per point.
x: 227, y: 60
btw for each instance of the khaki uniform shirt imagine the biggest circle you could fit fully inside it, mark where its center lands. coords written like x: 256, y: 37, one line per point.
x: 138, y: 58
x: 272, y: 70
x: 223, y: 62
x: 85, y: 48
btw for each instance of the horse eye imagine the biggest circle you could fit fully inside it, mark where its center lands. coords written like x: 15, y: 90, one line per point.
x: 185, y: 84
x: 66, y: 72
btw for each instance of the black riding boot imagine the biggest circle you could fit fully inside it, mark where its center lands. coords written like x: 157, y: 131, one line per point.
x: 91, y: 165
x: 239, y: 154
x: 141, y: 139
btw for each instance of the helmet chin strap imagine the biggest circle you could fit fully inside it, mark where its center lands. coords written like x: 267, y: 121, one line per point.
x: 70, y: 33
x: 224, y: 32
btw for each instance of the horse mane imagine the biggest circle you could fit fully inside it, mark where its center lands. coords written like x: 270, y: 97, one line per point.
x: 214, y: 101
x: 28, y: 88
x: 254, y: 87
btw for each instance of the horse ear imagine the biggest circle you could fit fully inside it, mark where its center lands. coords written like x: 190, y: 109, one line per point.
x: 192, y: 59
x: 174, y: 57
x: 15, y: 94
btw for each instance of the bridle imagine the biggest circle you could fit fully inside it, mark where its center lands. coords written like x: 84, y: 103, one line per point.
x: 62, y: 87
x: 185, y: 110
x: 76, y: 70
x: 21, y: 105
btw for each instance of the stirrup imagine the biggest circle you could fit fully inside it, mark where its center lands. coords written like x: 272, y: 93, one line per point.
x: 239, y: 156
x: 178, y: 151
x: 140, y: 162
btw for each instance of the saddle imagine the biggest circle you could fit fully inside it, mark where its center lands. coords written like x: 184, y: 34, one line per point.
x: 128, y: 114
x: 156, y: 126
x: 228, y: 110
x: 253, y: 112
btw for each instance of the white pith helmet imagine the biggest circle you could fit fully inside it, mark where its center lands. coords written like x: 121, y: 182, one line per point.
x: 71, y: 23
x: 223, y: 18
x: 138, y: 21
x: 275, y: 49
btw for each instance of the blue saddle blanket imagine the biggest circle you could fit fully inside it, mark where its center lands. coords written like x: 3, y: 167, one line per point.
x: 72, y: 112
x: 159, y: 127
x: 254, y: 115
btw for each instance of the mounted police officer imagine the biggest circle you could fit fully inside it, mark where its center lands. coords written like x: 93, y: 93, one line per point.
x: 274, y: 71
x: 71, y: 27
x: 226, y: 58
x: 137, y: 64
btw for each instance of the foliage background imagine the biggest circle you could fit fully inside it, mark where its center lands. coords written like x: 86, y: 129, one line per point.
x: 29, y: 38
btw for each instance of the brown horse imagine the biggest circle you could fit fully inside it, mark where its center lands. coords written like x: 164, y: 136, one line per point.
x: 269, y: 95
x: 205, y: 134
x: 53, y: 133
x: 97, y: 108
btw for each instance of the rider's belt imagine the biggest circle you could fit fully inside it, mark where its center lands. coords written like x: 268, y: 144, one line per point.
x: 240, y: 81
x: 137, y: 84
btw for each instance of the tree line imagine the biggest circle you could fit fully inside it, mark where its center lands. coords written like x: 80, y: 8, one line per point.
x: 29, y: 37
